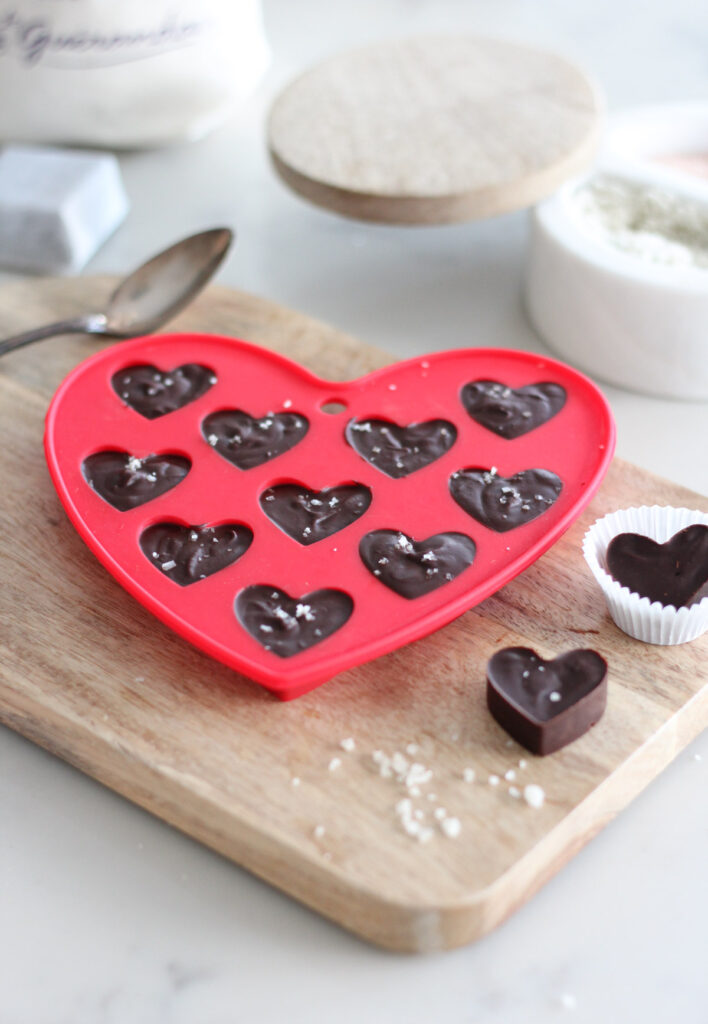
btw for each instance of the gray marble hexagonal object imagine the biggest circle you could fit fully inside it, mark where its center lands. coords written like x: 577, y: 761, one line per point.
x: 57, y: 206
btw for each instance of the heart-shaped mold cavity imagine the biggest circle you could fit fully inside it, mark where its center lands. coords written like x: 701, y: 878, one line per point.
x: 286, y: 625
x: 154, y: 393
x: 400, y: 451
x: 308, y: 516
x: 546, y: 704
x: 413, y: 568
x: 503, y: 503
x: 249, y: 441
x: 671, y: 573
x: 512, y: 412
x: 188, y: 554
x: 125, y: 481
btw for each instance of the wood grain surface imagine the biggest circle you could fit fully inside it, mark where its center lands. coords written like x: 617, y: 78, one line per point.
x: 87, y: 673
x: 434, y: 129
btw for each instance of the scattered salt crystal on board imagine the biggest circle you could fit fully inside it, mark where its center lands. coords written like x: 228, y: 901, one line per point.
x: 534, y: 796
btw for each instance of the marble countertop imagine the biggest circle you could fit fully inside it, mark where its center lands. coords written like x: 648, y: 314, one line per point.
x: 108, y: 915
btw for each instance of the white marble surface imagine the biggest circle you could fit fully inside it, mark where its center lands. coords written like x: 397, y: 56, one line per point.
x: 107, y: 915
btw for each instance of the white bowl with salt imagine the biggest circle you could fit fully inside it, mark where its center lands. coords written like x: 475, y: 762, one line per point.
x: 617, y: 274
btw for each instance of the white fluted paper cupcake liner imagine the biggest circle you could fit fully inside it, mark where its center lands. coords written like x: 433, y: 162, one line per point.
x: 653, y: 623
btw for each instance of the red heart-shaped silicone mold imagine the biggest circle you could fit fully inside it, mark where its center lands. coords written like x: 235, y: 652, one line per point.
x: 275, y: 420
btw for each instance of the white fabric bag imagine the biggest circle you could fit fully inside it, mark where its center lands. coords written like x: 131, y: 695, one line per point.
x: 125, y: 72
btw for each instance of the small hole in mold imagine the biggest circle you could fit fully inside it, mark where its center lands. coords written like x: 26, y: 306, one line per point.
x: 333, y: 406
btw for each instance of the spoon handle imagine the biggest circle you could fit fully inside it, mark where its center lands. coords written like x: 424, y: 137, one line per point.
x: 91, y: 324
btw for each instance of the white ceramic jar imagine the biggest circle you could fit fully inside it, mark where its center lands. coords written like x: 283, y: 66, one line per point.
x: 124, y: 73
x: 626, y: 321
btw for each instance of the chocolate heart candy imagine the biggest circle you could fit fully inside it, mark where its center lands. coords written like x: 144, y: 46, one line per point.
x: 152, y: 392
x: 287, y: 625
x: 247, y: 441
x: 399, y: 451
x: 511, y: 412
x: 546, y: 704
x: 187, y: 554
x: 414, y: 568
x: 308, y: 516
x: 503, y: 503
x: 672, y: 573
x: 125, y: 481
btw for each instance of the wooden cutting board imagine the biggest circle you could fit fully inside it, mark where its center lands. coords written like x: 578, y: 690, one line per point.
x: 90, y: 675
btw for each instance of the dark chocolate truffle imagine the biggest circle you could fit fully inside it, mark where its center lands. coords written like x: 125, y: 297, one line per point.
x: 187, y: 554
x: 308, y: 516
x: 672, y: 573
x: 545, y: 705
x: 125, y: 481
x: 153, y: 393
x: 413, y: 568
x: 503, y: 503
x: 400, y: 451
x: 510, y: 412
x: 247, y: 441
x: 287, y: 625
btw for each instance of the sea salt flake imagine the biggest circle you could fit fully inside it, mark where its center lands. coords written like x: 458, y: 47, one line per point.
x: 493, y: 780
x: 287, y: 404
x: 439, y: 813
x: 348, y: 744
x: 534, y: 796
x: 166, y: 566
x: 295, y: 781
x: 451, y: 827
x: 319, y: 831
x: 554, y: 696
x: 335, y: 763
x: 510, y: 775
x: 468, y: 774
x: 515, y: 792
x: 212, y: 439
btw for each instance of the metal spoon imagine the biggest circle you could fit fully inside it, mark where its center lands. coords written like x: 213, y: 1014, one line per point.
x: 148, y: 297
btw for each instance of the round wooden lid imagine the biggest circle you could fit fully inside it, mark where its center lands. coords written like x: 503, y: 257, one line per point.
x: 434, y: 129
